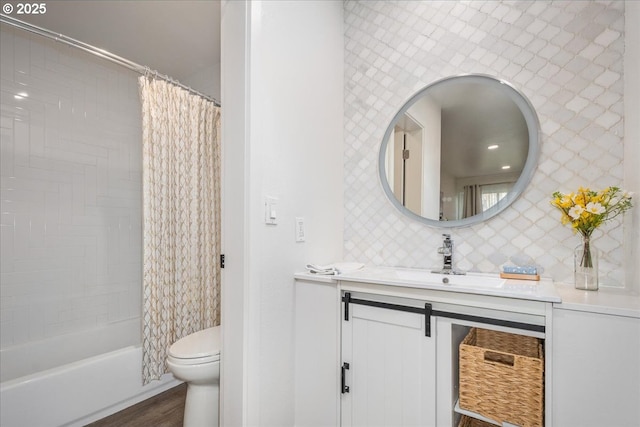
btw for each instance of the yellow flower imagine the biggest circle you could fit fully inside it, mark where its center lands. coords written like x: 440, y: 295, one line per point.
x: 578, y: 199
x: 565, y: 202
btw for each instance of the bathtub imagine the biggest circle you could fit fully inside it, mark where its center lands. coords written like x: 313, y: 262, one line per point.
x: 78, y: 393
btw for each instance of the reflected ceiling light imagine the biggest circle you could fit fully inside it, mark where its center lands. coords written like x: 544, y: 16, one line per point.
x: 492, y: 147
x: 506, y: 167
x: 21, y: 95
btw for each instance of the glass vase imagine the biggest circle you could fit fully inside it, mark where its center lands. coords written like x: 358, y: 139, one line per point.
x: 586, y: 265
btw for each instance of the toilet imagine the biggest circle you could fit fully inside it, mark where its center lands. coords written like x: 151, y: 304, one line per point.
x: 195, y: 359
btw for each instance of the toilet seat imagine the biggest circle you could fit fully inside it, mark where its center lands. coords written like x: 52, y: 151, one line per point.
x: 197, y: 348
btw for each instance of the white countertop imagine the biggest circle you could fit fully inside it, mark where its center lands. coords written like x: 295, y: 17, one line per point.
x: 311, y: 277
x: 542, y: 290
x: 614, y: 301
x: 563, y: 296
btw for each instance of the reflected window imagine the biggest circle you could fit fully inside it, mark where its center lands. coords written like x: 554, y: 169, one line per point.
x: 492, y: 194
x: 475, y: 199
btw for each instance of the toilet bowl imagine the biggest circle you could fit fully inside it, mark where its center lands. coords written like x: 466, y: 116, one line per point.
x: 195, y: 359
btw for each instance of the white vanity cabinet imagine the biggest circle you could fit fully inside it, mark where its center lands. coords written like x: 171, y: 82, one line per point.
x: 399, y: 376
x: 388, y: 365
x: 317, y: 352
x: 372, y: 351
x: 596, y: 369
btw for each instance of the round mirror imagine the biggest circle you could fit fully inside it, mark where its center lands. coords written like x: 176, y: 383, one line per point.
x: 459, y: 151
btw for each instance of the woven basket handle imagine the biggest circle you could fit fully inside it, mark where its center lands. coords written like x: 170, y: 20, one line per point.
x: 499, y: 358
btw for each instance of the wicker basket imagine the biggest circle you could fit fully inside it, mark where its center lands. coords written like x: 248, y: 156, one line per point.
x: 502, y: 377
x: 466, y: 421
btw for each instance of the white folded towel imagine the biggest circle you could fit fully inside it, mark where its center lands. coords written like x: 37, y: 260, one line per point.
x: 335, y: 268
x: 321, y: 269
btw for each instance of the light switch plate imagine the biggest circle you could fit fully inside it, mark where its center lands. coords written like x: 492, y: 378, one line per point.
x: 270, y: 210
x: 300, y: 231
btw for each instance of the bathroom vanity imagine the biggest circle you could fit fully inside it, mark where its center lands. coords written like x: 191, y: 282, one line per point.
x: 380, y: 347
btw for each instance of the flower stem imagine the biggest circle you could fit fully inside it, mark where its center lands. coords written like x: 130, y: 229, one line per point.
x: 587, y: 260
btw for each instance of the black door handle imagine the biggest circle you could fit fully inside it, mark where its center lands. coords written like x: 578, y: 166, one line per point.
x: 344, y: 386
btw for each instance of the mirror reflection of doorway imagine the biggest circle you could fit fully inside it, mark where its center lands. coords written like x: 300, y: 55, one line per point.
x: 407, y: 155
x: 413, y: 160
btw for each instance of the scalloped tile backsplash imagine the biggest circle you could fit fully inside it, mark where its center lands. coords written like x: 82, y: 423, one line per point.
x: 566, y: 57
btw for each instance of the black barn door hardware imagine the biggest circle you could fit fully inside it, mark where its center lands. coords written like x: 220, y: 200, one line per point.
x: 347, y: 299
x: 428, y: 312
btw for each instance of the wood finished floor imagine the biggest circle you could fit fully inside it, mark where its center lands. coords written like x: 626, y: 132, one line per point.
x: 163, y: 410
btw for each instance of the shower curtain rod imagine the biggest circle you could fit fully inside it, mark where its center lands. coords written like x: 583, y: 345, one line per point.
x: 100, y: 53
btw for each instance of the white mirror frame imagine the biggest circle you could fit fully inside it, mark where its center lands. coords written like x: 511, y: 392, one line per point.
x: 533, y: 126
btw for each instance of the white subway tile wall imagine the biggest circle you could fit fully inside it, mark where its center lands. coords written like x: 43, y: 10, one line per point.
x: 71, y: 201
x: 566, y: 57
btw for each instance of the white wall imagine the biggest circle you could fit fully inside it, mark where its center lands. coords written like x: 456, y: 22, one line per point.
x: 71, y: 225
x: 282, y: 137
x: 566, y: 57
x: 632, y: 141
x: 234, y: 98
x: 205, y: 80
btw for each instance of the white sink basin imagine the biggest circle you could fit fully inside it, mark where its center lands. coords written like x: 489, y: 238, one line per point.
x: 470, y: 283
x: 453, y: 280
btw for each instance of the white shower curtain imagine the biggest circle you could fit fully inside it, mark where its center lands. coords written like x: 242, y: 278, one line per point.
x: 181, y: 197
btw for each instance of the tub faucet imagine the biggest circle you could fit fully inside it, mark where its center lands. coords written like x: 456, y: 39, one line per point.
x: 446, y: 250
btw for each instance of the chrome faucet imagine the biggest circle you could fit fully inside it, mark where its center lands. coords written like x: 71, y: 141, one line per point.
x: 446, y: 250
